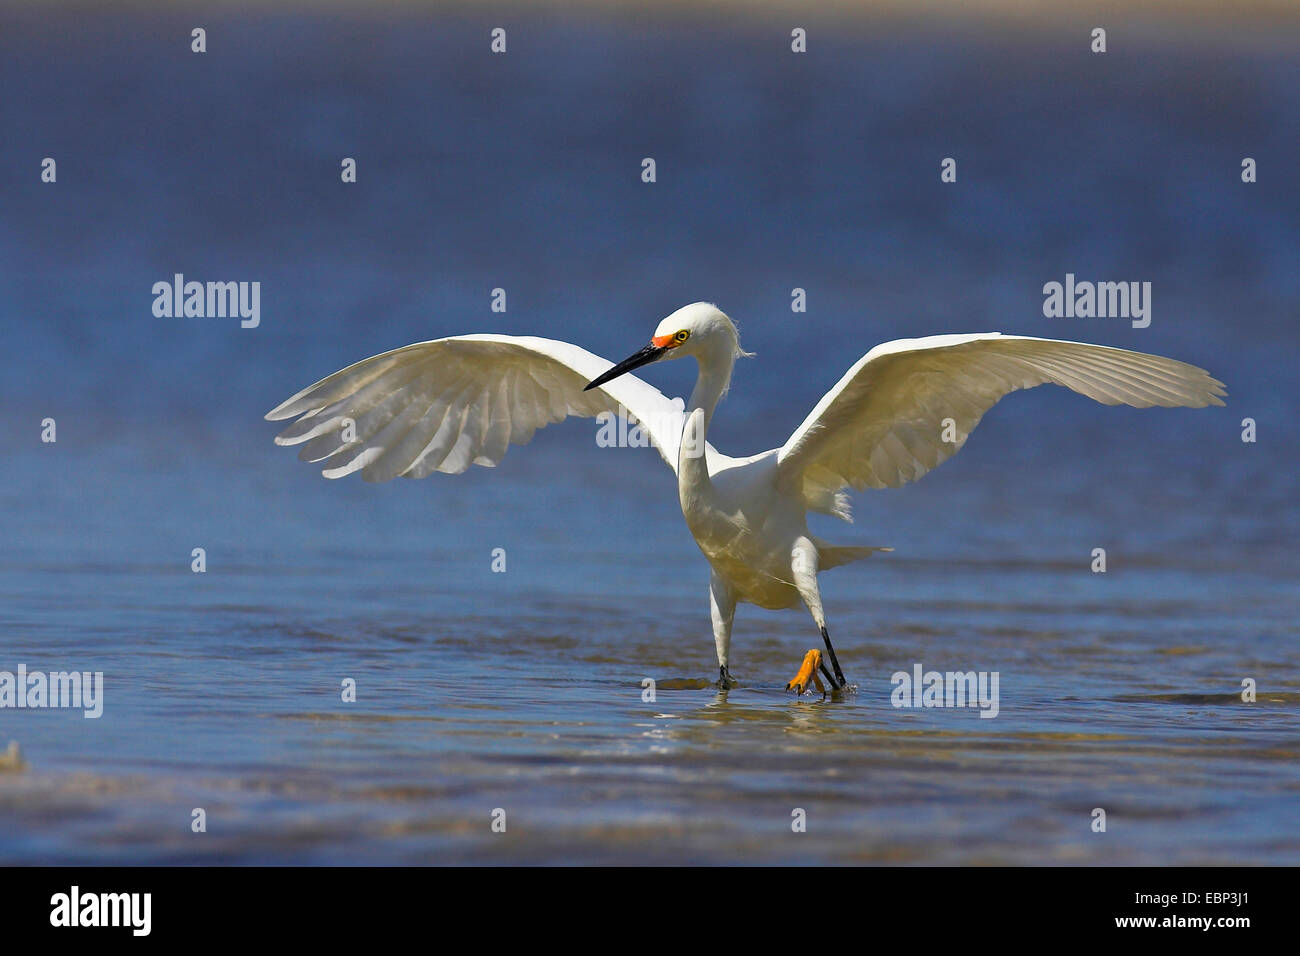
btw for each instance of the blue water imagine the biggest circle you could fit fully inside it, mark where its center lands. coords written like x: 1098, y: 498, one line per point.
x: 522, y: 690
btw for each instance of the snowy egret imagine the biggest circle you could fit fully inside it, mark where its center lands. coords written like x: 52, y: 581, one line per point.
x: 901, y: 410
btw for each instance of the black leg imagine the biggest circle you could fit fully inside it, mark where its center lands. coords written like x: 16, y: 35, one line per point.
x: 725, y: 680
x: 835, y: 661
x: 835, y: 685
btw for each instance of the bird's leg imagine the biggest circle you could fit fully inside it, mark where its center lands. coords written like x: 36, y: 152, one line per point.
x: 722, y: 609
x: 835, y: 661
x: 812, y: 662
x: 804, y: 560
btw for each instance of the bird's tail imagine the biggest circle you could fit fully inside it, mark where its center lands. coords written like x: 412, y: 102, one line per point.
x: 832, y: 556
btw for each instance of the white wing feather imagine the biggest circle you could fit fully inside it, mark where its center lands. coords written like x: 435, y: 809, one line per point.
x: 882, y: 425
x: 447, y: 404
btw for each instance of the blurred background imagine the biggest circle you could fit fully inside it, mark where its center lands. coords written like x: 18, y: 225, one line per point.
x: 775, y: 170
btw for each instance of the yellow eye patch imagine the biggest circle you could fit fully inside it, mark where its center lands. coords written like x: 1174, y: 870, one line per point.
x: 671, y: 341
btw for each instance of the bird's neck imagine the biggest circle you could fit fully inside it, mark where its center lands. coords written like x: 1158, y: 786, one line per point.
x: 716, y: 364
x: 693, y: 482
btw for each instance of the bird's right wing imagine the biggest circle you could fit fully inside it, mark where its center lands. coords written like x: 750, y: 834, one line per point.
x: 883, y: 424
x: 447, y: 404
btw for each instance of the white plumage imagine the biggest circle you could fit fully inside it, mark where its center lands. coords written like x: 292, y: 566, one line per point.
x: 450, y: 403
x: 880, y: 426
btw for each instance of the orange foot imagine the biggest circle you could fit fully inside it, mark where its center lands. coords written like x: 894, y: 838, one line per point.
x: 808, y: 671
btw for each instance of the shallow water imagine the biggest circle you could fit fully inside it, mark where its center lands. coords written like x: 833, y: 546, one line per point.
x: 523, y: 690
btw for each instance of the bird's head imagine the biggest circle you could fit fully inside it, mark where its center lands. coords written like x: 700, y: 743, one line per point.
x: 700, y: 329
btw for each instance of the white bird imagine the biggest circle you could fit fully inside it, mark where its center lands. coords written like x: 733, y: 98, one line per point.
x: 449, y: 403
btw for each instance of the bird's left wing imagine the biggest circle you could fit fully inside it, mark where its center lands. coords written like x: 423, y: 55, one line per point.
x: 447, y: 404
x: 883, y: 424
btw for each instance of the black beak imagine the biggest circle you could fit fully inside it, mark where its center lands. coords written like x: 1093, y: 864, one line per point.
x: 636, y: 360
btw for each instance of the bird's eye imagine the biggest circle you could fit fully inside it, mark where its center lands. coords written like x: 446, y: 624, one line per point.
x: 681, y: 336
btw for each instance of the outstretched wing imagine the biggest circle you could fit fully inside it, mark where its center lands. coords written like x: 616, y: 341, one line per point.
x: 447, y: 404
x: 882, y: 425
